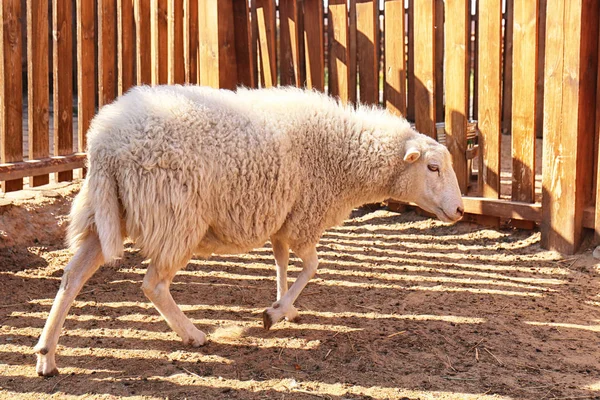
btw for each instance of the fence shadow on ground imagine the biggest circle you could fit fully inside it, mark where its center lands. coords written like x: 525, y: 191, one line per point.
x: 402, y: 307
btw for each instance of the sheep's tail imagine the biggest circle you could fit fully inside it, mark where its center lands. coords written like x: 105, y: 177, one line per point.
x: 96, y: 210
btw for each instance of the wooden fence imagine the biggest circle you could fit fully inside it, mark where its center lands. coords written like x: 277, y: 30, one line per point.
x: 451, y: 79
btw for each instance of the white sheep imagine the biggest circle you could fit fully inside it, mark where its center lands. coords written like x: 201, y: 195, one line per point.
x: 186, y: 170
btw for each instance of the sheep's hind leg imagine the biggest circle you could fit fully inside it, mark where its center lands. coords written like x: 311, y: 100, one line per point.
x: 81, y: 267
x: 285, y: 305
x: 156, y: 288
x: 281, y: 251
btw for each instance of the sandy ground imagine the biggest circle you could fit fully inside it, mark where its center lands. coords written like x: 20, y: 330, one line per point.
x: 403, y: 307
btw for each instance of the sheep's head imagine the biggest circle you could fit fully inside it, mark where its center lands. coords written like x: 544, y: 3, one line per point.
x: 429, y: 180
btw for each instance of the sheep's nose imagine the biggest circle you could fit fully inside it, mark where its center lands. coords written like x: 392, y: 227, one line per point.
x: 460, y: 211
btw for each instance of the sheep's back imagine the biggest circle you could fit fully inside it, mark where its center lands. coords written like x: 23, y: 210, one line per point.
x: 194, y: 171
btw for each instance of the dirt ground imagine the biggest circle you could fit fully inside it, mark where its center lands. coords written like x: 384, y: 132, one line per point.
x: 404, y: 307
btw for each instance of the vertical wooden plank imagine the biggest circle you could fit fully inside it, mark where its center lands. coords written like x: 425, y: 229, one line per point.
x: 439, y: 60
x: 267, y: 42
x: 37, y: 88
x: 425, y: 79
x: 218, y: 66
x: 86, y: 76
x: 457, y: 85
x: 191, y: 42
x: 125, y: 46
x: 410, y: 103
x: 489, y: 59
x: 541, y: 53
x: 254, y: 38
x: 524, y: 100
x: 395, y: 61
x: 569, y: 117
x: 475, y: 112
x: 63, y: 82
x: 507, y: 81
x: 314, y: 46
x: 339, y: 54
x: 11, y: 87
x: 159, y: 41
x: 143, y: 42
x: 176, y: 71
x: 246, y: 60
x: 352, y: 61
x: 107, y: 51
x: 289, y: 43
x: 367, y: 46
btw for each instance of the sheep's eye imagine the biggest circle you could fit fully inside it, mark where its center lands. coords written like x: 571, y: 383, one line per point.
x: 433, y: 168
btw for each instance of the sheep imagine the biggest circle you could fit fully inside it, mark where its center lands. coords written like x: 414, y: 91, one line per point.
x: 188, y: 170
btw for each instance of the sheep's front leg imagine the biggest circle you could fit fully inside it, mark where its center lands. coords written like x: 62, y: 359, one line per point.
x: 281, y: 252
x: 156, y: 288
x: 83, y: 265
x: 284, y: 307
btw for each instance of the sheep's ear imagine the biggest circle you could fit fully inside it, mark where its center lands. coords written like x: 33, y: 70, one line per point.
x: 412, y: 155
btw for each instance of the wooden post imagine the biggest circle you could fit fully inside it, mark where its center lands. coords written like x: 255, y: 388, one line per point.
x: 339, y: 54
x: 86, y: 77
x: 410, y: 82
x: 107, y: 51
x: 218, y: 67
x: 395, y: 61
x: 314, y: 44
x: 175, y: 66
x: 439, y: 60
x: 11, y: 87
x: 457, y: 86
x: 489, y: 83
x: 143, y: 41
x: 37, y: 89
x: 191, y: 41
x: 425, y: 74
x: 507, y: 80
x: 63, y: 83
x: 569, y: 119
x: 367, y: 46
x: 524, y: 78
x: 125, y: 46
x: 245, y: 57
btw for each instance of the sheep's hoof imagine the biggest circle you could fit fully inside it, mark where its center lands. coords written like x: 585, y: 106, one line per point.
x: 197, y: 339
x: 267, y: 321
x: 46, y: 367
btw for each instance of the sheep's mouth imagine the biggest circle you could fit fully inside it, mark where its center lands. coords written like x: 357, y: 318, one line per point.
x: 442, y: 215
